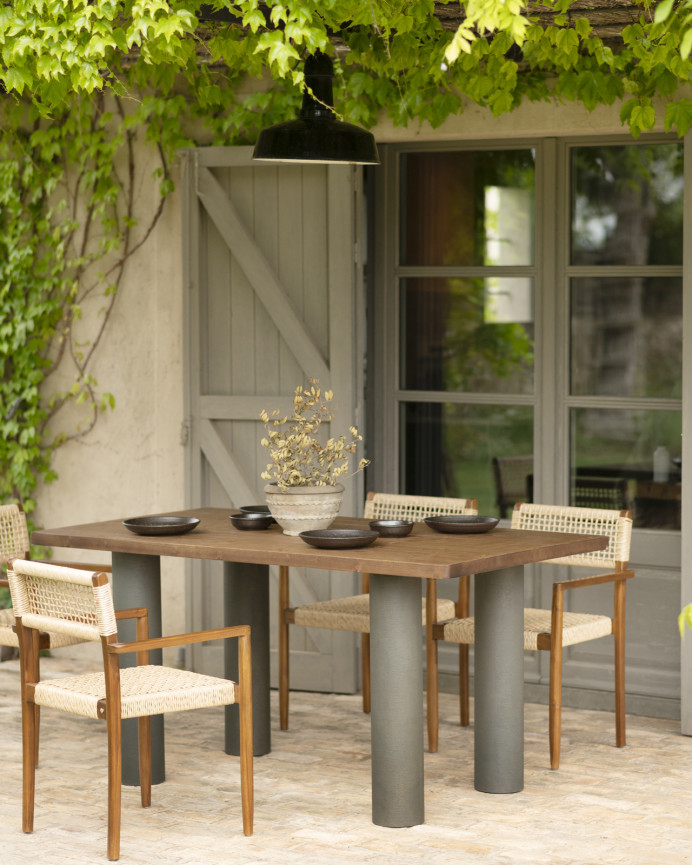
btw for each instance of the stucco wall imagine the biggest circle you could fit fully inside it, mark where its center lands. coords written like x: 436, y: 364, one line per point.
x: 132, y: 461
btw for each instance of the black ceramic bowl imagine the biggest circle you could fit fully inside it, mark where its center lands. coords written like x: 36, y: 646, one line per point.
x: 257, y: 509
x: 391, y: 528
x: 251, y: 521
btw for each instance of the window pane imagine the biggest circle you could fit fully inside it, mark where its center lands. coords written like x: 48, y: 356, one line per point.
x: 627, y: 204
x: 626, y: 337
x: 613, y: 463
x: 473, y: 335
x: 467, y: 208
x: 448, y: 449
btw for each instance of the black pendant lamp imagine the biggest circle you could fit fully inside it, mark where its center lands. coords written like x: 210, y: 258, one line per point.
x: 316, y: 135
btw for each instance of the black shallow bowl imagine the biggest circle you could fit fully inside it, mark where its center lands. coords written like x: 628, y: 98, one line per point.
x: 461, y: 523
x: 391, y: 528
x: 257, y: 509
x: 161, y: 525
x: 251, y: 521
x: 338, y: 539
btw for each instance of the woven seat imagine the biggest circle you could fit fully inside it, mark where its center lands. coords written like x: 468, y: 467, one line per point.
x: 576, y: 628
x: 148, y: 690
x: 74, y: 603
x: 552, y: 630
x: 353, y: 613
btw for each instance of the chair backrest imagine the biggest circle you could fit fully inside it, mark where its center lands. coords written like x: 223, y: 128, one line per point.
x: 617, y: 525
x: 512, y: 475
x: 62, y: 600
x: 392, y: 506
x: 600, y: 493
x: 14, y: 534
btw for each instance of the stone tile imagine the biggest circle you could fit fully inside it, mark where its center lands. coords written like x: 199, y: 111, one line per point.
x: 604, y: 806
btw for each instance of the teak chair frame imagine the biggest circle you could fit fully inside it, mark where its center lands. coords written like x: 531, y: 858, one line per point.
x: 552, y: 640
x: 102, y: 625
x: 381, y: 506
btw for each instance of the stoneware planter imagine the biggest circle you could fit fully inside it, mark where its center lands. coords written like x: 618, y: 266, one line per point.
x: 304, y: 509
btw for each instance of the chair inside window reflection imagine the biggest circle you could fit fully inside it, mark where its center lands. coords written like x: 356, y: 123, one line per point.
x: 512, y: 476
x: 609, y: 493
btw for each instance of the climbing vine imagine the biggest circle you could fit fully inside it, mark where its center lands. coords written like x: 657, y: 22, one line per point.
x: 85, y: 79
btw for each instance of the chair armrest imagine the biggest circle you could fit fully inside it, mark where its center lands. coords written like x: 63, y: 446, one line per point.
x: 178, y: 640
x: 133, y: 613
x: 80, y: 566
x: 4, y: 584
x: 580, y: 582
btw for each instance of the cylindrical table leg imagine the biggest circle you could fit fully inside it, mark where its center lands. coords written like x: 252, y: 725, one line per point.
x: 246, y: 602
x: 137, y: 583
x: 396, y: 659
x: 499, y: 681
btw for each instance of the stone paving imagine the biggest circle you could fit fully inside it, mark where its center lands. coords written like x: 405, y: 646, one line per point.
x: 604, y: 806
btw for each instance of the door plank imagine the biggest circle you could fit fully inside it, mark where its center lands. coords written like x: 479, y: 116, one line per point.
x: 261, y: 275
x: 225, y: 466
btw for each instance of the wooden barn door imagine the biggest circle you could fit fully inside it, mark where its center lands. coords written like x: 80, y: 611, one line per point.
x: 271, y: 300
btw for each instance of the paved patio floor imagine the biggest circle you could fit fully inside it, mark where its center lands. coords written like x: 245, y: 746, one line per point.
x: 604, y: 806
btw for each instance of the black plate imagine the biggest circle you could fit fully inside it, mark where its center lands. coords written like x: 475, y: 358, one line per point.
x: 461, y: 523
x: 161, y: 525
x: 338, y: 539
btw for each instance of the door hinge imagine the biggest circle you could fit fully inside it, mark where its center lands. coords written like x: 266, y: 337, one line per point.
x: 185, y: 430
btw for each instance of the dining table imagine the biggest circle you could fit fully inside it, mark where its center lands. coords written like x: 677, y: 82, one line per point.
x: 397, y: 567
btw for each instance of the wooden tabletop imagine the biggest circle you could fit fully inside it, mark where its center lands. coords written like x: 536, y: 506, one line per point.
x: 424, y: 553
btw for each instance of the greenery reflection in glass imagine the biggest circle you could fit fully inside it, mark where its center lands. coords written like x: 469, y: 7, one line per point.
x: 467, y: 208
x: 620, y: 444
x: 448, y: 448
x: 626, y: 337
x: 627, y: 204
x: 472, y: 335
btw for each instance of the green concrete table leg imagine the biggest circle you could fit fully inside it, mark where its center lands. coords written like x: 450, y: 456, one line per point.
x: 499, y: 681
x: 246, y: 602
x: 396, y: 659
x: 137, y: 583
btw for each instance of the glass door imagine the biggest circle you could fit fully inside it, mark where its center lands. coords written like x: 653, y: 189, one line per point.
x: 625, y: 329
x: 465, y: 276
x: 526, y: 344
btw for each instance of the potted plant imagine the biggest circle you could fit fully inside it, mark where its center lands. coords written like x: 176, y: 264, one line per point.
x: 305, y: 471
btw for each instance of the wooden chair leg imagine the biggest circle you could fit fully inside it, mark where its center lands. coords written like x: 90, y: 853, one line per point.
x: 464, y: 716
x: 431, y: 667
x: 29, y: 667
x: 144, y: 743
x: 619, y: 636
x: 29, y: 750
x: 555, y: 699
x: 114, y: 784
x: 365, y: 669
x: 37, y: 724
x: 462, y: 612
x: 284, y: 683
x: 246, y: 743
x: 555, y: 711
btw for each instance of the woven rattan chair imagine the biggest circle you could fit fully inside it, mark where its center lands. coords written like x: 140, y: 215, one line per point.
x: 551, y: 630
x: 14, y: 542
x: 80, y: 605
x: 513, y: 480
x: 353, y: 613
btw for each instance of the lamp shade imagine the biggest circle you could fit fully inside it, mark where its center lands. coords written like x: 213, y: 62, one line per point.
x: 316, y: 135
